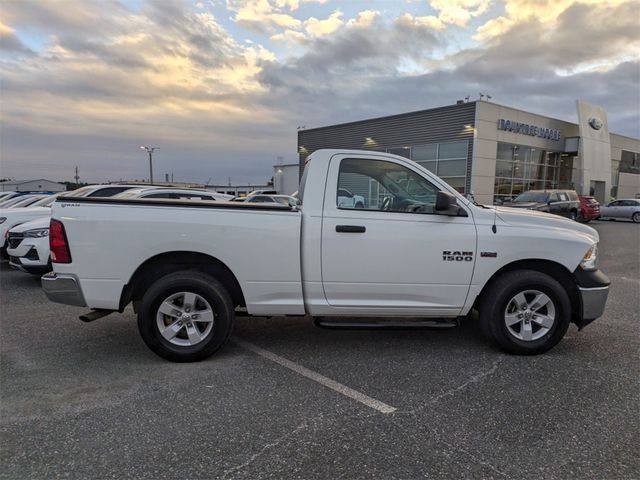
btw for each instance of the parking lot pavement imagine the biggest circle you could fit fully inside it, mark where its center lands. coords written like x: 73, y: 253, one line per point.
x: 91, y: 401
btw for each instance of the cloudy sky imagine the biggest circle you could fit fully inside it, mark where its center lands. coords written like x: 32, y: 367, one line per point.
x: 221, y: 85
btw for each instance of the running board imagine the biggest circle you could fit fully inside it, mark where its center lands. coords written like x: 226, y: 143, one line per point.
x: 386, y: 324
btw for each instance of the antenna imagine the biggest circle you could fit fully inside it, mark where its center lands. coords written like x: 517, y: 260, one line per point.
x: 77, y: 177
x: 494, y: 229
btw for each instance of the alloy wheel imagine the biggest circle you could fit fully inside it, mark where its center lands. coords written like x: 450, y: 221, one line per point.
x: 529, y: 315
x: 185, y: 319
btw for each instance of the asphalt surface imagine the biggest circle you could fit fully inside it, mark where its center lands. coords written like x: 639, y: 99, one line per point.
x: 91, y: 401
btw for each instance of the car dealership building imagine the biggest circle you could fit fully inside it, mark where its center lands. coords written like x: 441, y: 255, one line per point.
x: 497, y: 152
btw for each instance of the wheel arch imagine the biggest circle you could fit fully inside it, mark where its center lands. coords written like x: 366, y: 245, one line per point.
x: 169, y: 262
x: 549, y: 267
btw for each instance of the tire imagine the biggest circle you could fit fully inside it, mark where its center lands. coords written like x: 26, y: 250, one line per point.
x: 497, y: 308
x: 573, y: 215
x: 208, y: 300
x: 359, y: 205
x: 636, y: 217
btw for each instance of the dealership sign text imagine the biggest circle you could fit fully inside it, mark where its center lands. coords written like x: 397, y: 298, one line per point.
x: 526, y: 129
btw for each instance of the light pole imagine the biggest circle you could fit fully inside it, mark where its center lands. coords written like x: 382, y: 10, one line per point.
x: 150, y: 151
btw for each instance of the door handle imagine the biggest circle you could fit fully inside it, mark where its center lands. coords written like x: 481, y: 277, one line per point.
x: 350, y: 229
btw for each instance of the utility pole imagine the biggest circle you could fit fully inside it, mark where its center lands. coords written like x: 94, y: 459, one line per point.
x: 150, y: 151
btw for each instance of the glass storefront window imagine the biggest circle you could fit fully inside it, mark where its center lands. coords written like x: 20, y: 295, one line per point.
x: 421, y: 153
x: 401, y: 151
x: 629, y: 162
x: 447, y: 160
x: 456, y: 182
x: 452, y: 168
x: 453, y: 150
x: 431, y: 166
x: 520, y: 168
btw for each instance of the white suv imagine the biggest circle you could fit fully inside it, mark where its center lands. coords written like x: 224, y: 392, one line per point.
x: 28, y: 246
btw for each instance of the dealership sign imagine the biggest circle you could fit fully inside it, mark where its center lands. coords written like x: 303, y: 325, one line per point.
x: 595, y: 123
x: 526, y: 129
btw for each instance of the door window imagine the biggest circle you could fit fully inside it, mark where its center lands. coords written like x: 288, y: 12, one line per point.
x: 384, y: 186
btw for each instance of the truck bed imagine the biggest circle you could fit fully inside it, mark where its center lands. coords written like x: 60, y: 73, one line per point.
x: 110, y: 238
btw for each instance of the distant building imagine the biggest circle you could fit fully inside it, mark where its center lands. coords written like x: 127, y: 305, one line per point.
x: 286, y: 178
x: 496, y: 152
x: 39, y: 185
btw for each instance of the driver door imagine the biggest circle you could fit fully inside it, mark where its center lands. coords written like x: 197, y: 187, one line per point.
x: 395, y: 253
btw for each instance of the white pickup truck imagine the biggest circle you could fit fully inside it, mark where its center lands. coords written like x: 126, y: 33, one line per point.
x: 418, y: 250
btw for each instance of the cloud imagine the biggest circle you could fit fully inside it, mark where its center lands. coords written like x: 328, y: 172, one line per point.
x: 9, y: 42
x: 579, y: 36
x: 320, y: 28
x: 108, y: 79
x: 262, y: 15
x: 459, y: 12
x: 365, y: 19
x: 427, y: 21
x: 295, y: 4
x: 546, y: 12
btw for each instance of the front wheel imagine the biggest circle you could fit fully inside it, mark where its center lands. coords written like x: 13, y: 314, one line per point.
x: 636, y: 217
x: 186, y: 316
x: 525, y: 312
x: 573, y: 215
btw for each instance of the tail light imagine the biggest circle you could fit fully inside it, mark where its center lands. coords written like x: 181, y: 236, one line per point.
x: 58, y: 243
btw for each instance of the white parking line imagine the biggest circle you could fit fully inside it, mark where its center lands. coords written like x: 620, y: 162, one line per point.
x: 321, y: 379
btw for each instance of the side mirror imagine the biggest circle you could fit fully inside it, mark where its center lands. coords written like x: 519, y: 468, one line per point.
x: 447, y: 205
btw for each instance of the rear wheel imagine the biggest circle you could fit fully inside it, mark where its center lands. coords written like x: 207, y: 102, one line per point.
x: 573, y: 215
x: 525, y: 312
x: 186, y: 316
x: 636, y: 217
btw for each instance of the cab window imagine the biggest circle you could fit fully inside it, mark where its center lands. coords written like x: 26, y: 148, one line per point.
x: 383, y: 186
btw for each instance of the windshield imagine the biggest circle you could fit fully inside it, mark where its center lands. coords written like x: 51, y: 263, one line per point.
x: 532, y: 197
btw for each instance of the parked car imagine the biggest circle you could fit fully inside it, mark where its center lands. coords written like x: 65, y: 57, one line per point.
x: 589, y: 209
x: 22, y: 201
x: 175, y: 193
x: 558, y: 202
x: 262, y: 192
x: 10, y: 217
x: 28, y: 246
x: 283, y: 199
x: 626, y: 208
x: 28, y: 243
x: 5, y: 196
x: 187, y: 268
x: 346, y: 199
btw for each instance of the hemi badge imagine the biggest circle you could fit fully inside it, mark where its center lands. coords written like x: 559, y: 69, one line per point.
x: 489, y: 254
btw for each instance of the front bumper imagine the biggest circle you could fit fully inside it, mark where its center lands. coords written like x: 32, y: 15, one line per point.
x: 594, y: 290
x: 63, y: 288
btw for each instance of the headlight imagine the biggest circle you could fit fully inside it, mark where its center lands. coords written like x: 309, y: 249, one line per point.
x: 3, y: 219
x: 37, y: 233
x: 589, y: 260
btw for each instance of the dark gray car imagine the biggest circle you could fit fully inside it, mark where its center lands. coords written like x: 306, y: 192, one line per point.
x: 558, y: 202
